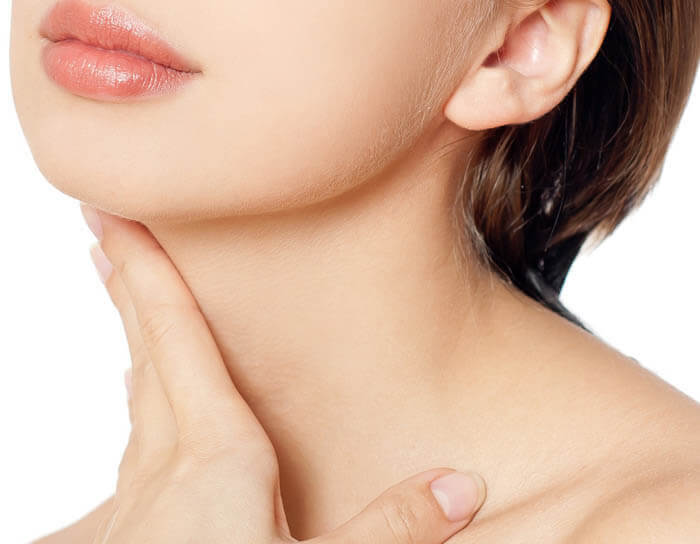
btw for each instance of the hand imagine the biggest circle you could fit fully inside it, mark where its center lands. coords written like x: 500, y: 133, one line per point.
x: 199, y: 467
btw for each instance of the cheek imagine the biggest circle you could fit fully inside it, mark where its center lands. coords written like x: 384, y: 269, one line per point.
x: 325, y: 99
x: 298, y: 102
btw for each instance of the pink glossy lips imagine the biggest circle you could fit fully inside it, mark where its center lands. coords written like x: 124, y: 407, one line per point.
x: 108, y: 54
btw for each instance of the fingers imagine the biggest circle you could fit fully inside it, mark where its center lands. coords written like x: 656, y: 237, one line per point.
x: 120, y: 297
x: 153, y: 427
x: 153, y: 438
x: 427, y: 508
x: 175, y: 333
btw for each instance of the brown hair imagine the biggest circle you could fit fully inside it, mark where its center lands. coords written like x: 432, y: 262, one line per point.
x: 532, y: 193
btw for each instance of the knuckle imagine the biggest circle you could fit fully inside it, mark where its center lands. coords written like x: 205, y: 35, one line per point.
x: 139, y: 478
x: 125, y: 264
x: 194, y: 447
x: 202, y: 440
x: 209, y: 446
x: 402, y: 519
x: 212, y: 426
x: 158, y: 324
x: 185, y: 462
x: 263, y: 463
x: 163, y: 320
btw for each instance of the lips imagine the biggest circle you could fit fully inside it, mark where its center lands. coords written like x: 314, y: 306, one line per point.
x: 105, y: 52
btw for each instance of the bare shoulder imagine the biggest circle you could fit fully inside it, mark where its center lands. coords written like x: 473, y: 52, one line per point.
x: 666, y: 509
x: 650, y: 489
x: 636, y: 409
x: 614, y: 455
x: 657, y: 495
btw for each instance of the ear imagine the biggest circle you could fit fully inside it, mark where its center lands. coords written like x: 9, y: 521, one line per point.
x: 541, y: 56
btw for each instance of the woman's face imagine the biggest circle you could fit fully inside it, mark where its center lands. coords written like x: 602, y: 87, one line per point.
x: 297, y: 101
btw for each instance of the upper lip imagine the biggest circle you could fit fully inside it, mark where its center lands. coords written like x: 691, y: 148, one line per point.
x: 110, y: 27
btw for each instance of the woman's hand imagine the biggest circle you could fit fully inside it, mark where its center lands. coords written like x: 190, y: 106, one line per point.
x: 199, y: 467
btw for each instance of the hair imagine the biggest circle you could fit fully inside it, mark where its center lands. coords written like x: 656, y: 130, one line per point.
x: 532, y: 193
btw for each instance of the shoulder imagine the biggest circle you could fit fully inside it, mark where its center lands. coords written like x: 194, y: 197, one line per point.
x: 663, y: 509
x: 654, y: 490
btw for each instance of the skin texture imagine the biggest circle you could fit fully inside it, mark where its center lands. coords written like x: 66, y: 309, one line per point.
x: 303, y: 188
x: 198, y: 465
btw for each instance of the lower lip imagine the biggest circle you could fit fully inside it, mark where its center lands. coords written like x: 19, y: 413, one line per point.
x: 108, y: 75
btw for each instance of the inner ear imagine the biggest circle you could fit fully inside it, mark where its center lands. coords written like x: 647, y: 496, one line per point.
x: 541, y: 54
x: 524, y: 49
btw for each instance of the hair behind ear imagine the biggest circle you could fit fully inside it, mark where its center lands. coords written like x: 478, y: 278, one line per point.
x: 534, y: 192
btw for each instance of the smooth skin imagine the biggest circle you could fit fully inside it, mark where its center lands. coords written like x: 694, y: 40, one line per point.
x: 198, y: 465
x: 303, y: 189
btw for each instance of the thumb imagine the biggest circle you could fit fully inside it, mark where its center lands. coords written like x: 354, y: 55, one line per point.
x: 427, y: 508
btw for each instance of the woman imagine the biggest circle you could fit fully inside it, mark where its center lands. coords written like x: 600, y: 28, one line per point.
x: 375, y: 205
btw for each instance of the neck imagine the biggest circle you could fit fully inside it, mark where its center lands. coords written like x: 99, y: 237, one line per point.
x: 331, y: 316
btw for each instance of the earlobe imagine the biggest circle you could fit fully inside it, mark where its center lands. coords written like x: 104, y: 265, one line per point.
x: 541, y: 57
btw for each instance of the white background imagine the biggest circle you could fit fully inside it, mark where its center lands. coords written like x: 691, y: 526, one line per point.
x: 62, y: 400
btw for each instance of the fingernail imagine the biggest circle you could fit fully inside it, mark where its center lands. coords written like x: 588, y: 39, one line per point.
x: 104, y: 267
x: 127, y: 382
x: 459, y: 494
x: 92, y: 219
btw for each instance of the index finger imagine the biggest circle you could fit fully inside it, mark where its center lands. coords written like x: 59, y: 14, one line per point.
x: 175, y: 333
